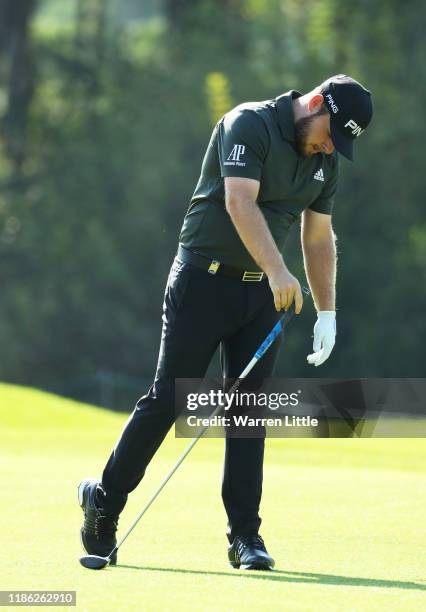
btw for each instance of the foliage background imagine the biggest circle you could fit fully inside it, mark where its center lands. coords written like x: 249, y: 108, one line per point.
x: 106, y: 108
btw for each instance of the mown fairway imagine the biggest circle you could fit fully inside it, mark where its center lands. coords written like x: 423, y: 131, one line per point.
x: 344, y: 519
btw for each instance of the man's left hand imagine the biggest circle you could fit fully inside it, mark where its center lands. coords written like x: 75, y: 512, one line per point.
x: 324, y: 337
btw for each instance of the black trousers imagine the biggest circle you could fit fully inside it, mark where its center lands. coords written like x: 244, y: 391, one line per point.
x: 200, y: 312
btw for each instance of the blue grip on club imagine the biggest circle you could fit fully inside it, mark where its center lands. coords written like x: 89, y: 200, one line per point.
x: 277, y: 328
x: 269, y: 338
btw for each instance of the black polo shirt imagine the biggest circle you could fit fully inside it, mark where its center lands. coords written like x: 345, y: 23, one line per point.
x: 256, y: 140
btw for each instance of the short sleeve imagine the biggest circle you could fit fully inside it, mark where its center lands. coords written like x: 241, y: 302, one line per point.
x: 243, y: 142
x: 325, y: 202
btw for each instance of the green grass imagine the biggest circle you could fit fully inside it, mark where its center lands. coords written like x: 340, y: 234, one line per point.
x: 344, y: 519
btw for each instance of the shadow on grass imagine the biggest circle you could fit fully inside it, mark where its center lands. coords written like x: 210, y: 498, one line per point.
x: 296, y: 577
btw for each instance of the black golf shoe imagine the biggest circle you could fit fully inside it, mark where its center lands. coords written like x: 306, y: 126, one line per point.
x: 98, y: 531
x: 249, y: 552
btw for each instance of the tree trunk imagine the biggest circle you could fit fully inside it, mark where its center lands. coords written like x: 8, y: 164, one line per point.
x: 17, y: 72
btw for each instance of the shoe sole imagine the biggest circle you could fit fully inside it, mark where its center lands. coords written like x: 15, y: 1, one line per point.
x: 80, y: 495
x: 252, y: 566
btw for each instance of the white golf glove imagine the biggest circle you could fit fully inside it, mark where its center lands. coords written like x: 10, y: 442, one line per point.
x: 324, y: 337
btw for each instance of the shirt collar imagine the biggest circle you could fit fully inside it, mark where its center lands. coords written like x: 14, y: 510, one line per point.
x: 285, y: 114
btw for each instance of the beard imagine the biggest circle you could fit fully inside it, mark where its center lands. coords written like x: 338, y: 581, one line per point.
x: 301, y: 128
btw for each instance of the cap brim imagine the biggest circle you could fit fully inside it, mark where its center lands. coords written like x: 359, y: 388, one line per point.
x: 344, y: 145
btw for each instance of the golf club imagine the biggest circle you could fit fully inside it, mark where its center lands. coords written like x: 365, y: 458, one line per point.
x: 98, y: 562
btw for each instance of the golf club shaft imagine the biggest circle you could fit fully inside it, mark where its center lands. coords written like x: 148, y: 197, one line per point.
x: 276, y: 330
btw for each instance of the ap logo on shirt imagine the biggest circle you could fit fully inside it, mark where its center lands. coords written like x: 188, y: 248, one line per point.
x: 237, y: 151
x: 233, y: 158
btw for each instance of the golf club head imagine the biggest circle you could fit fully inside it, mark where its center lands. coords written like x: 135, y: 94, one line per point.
x: 94, y: 562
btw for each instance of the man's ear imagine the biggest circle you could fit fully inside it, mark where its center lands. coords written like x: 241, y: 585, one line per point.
x: 315, y: 102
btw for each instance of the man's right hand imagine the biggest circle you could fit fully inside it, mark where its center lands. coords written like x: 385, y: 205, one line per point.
x: 285, y: 288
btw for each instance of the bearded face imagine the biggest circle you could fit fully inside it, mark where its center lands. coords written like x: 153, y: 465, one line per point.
x: 313, y: 133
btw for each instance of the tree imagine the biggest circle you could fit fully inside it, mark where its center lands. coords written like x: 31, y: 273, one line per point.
x: 17, y: 69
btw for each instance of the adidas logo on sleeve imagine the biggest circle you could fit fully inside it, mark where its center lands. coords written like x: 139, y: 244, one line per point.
x: 319, y: 176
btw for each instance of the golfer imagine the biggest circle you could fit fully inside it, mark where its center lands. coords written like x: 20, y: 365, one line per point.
x: 267, y: 165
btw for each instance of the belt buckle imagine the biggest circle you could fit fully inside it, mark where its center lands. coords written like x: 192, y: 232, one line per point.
x: 252, y: 276
x: 214, y: 266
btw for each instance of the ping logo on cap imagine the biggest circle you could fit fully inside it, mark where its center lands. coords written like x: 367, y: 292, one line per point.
x: 356, y: 130
x: 332, y: 103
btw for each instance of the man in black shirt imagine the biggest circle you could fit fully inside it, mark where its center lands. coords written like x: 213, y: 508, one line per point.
x: 267, y: 164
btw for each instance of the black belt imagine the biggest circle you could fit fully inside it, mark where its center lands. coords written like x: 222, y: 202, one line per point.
x: 215, y: 267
